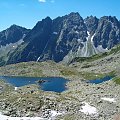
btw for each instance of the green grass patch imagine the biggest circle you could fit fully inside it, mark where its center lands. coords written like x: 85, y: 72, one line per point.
x: 66, y: 72
x: 112, y: 73
x: 90, y: 59
x: 68, y: 117
x: 115, y: 49
x: 90, y: 76
x: 117, y: 80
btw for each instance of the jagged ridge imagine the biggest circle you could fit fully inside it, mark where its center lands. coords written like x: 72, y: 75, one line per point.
x: 67, y: 37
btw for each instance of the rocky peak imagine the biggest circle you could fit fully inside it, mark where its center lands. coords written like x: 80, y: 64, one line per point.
x: 74, y: 27
x: 107, y: 33
x: 36, y: 40
x: 74, y: 18
x: 73, y: 15
x: 42, y: 27
x: 43, y: 23
x: 113, y: 21
x: 14, y: 26
x: 91, y: 24
x: 12, y: 34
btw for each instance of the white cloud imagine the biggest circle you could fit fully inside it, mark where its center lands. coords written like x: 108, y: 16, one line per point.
x: 43, y: 1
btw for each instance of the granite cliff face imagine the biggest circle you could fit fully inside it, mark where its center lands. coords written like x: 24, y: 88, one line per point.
x: 67, y: 37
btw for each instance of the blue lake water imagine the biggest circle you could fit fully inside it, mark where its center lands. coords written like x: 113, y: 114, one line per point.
x: 100, y: 80
x: 56, y: 84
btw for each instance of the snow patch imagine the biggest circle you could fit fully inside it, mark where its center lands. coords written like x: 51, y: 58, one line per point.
x: 92, y: 38
x: 101, y: 49
x: 79, y: 40
x: 76, y: 32
x: 106, y: 49
x: 38, y: 59
x: 88, y: 35
x: 55, y: 33
x: 109, y: 99
x: 89, y: 110
x: 16, y: 88
x: 53, y: 115
x: 4, y: 117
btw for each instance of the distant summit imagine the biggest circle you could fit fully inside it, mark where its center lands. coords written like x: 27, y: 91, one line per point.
x: 12, y: 34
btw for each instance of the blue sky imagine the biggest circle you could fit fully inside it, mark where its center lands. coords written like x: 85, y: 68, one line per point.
x: 28, y: 12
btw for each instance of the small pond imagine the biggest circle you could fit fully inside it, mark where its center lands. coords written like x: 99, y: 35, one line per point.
x: 56, y: 84
x: 100, y: 80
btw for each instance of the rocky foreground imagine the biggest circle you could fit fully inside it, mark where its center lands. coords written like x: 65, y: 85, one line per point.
x: 82, y: 101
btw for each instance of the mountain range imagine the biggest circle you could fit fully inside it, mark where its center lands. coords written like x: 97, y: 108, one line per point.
x: 60, y: 39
